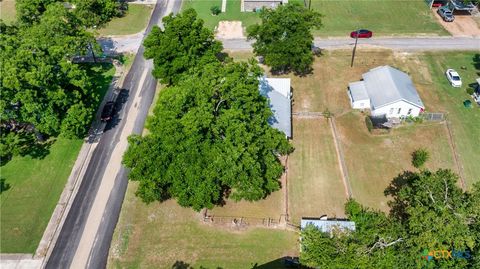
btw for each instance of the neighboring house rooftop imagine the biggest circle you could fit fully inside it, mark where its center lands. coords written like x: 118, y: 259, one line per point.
x: 327, y: 225
x: 277, y: 91
x: 386, y: 85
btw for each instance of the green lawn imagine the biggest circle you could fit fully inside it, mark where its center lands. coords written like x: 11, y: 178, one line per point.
x: 383, y: 17
x: 133, y: 22
x: 7, y: 11
x: 465, y: 122
x: 161, y: 235
x: 233, y: 12
x: 374, y: 160
x: 315, y: 185
x: 35, y: 184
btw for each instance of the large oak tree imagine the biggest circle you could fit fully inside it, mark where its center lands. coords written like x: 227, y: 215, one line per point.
x: 184, y: 43
x: 209, y: 137
x: 284, y: 37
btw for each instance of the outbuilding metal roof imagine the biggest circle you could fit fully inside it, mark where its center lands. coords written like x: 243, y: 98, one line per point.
x: 327, y: 226
x: 277, y: 91
x: 386, y: 85
x: 358, y: 91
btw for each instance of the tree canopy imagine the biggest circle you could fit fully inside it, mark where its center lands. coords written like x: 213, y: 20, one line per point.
x: 284, y: 37
x: 209, y: 138
x: 428, y: 212
x: 42, y: 91
x: 183, y: 44
x: 90, y: 12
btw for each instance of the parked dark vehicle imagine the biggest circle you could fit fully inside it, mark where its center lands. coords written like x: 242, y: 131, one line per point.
x: 107, y: 112
x: 361, y: 34
x: 446, y: 14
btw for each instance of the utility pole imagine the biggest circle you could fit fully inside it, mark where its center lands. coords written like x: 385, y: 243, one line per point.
x: 354, y: 48
x: 90, y: 46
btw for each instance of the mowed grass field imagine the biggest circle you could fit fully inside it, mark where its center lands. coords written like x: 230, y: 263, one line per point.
x: 383, y: 17
x: 315, y: 185
x: 465, y: 122
x: 232, y: 13
x: 35, y: 185
x: 134, y: 21
x: 374, y: 160
x: 7, y: 11
x: 165, y: 235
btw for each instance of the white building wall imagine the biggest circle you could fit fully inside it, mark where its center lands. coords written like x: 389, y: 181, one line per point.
x: 361, y: 104
x: 358, y: 104
x: 392, y: 110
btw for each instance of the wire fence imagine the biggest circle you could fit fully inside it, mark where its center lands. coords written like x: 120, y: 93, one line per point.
x: 433, y: 116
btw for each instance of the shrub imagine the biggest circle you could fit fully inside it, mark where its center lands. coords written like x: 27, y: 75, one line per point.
x: 470, y: 91
x: 419, y: 157
x: 215, y: 10
x: 369, y: 123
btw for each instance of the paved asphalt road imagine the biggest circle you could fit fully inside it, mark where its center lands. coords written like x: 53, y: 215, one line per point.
x: 404, y: 43
x: 130, y: 43
x: 71, y: 233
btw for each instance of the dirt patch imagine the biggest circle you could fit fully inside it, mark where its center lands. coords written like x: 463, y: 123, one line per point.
x: 463, y: 25
x: 229, y: 30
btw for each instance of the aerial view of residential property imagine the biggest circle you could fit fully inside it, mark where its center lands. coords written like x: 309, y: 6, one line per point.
x: 239, y: 134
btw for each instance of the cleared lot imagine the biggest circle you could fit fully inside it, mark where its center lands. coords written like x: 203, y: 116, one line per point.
x: 164, y: 235
x: 314, y: 182
x: 463, y: 25
x: 374, y: 160
x: 7, y: 11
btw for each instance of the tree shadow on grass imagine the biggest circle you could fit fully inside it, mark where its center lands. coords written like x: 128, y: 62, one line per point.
x: 38, y: 150
x: 184, y: 265
x: 476, y: 63
x: 24, y: 144
x: 397, y: 205
x: 4, y: 186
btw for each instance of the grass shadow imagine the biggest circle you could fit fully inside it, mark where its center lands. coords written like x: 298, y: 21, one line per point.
x: 4, y: 186
x: 476, y: 63
x: 398, y: 206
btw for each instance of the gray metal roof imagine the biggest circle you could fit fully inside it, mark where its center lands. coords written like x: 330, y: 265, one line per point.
x: 277, y: 91
x: 327, y: 226
x: 358, y: 91
x: 386, y: 85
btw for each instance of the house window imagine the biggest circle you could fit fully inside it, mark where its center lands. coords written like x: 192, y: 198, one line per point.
x: 409, y: 111
x: 361, y: 104
x: 400, y: 109
x: 391, y: 110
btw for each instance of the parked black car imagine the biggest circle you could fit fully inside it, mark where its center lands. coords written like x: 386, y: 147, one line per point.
x: 107, y: 112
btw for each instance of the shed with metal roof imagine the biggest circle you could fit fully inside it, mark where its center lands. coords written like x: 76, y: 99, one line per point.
x: 278, y: 93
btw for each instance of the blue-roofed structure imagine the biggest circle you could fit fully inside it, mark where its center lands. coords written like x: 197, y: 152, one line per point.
x: 278, y: 93
x: 328, y: 225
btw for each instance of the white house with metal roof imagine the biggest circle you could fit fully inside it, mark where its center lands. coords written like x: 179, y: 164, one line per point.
x: 279, y: 95
x: 386, y: 91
